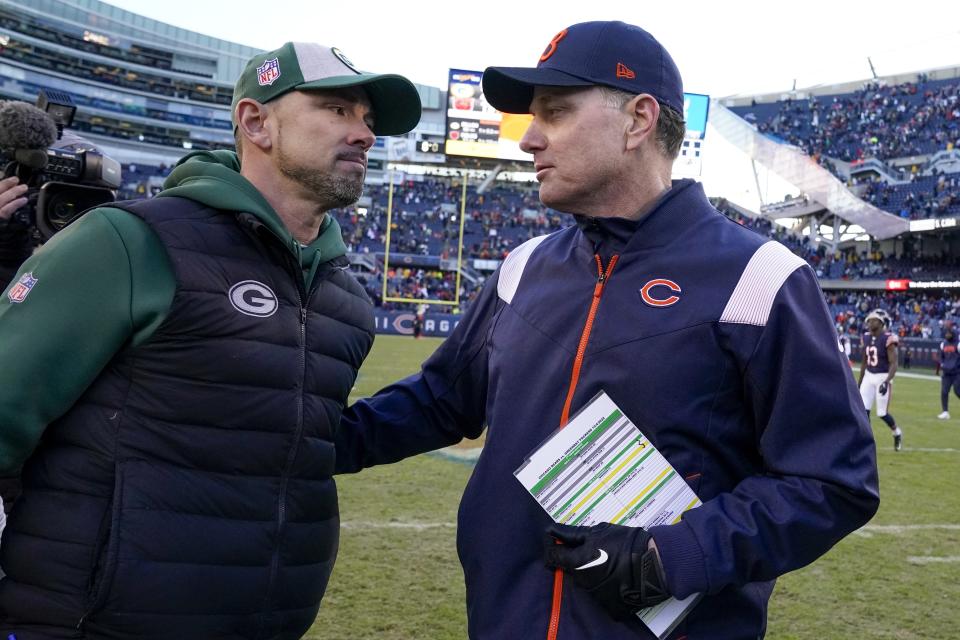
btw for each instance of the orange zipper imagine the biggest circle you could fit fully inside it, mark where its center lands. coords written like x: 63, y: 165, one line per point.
x: 602, y: 277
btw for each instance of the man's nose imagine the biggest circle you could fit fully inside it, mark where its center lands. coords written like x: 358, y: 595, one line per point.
x: 361, y: 133
x: 533, y: 139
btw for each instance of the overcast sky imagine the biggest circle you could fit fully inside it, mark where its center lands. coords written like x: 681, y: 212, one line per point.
x: 722, y: 48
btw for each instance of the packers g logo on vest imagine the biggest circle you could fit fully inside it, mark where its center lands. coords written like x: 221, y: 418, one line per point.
x: 253, y: 298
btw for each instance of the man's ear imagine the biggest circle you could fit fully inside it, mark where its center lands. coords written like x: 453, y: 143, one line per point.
x: 644, y: 111
x: 252, y: 121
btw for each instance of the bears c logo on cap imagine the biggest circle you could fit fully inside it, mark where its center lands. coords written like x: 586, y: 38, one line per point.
x: 552, y: 47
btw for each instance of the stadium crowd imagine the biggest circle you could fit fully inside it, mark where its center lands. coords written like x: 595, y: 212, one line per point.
x: 913, y: 315
x: 909, y: 120
x: 425, y: 223
x: 932, y: 196
x: 425, y: 220
x: 419, y: 284
x: 849, y: 264
x: 884, y: 122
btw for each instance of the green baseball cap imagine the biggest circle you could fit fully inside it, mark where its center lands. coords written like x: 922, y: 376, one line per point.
x: 304, y: 66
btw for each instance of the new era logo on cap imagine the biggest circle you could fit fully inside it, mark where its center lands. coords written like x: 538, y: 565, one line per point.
x: 612, y: 54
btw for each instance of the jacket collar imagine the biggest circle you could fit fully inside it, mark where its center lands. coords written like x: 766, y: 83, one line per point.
x: 674, y: 211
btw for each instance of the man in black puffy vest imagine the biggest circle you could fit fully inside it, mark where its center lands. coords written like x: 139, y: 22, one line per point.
x: 174, y: 370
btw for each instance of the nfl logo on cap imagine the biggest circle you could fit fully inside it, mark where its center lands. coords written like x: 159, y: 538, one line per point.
x: 19, y: 291
x: 268, y: 72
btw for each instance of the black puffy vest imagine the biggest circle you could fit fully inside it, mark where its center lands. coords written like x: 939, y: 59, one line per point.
x: 188, y: 493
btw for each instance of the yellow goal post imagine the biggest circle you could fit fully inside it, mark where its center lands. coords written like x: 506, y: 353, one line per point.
x: 386, y: 251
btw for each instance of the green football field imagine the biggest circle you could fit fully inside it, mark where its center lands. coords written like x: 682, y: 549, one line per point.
x: 398, y: 577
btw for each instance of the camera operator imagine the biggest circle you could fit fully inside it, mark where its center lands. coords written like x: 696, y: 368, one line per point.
x: 14, y: 240
x: 50, y: 176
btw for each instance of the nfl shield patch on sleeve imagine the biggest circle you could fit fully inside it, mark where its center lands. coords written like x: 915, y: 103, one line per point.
x: 21, y: 290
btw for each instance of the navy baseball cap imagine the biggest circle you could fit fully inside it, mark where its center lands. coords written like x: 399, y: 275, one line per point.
x: 612, y: 54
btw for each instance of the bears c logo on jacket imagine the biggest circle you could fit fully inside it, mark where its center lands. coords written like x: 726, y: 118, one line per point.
x: 253, y: 298
x: 647, y: 294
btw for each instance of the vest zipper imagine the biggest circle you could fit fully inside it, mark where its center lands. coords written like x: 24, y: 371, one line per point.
x: 603, y: 275
x: 291, y: 456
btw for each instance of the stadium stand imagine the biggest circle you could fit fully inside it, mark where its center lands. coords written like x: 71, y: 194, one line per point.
x: 911, y: 130
x: 424, y: 231
x: 885, y: 122
x: 147, y: 92
x: 496, y: 221
x: 932, y: 196
x: 918, y: 315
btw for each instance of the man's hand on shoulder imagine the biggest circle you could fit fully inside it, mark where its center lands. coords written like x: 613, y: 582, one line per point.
x: 618, y: 565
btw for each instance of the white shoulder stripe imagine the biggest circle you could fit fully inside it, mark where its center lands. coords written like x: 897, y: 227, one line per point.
x: 512, y: 268
x: 752, y: 298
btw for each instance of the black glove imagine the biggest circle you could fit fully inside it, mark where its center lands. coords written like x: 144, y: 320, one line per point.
x: 883, y: 388
x: 612, y: 562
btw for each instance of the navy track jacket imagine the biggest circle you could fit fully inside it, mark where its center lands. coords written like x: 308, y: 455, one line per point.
x: 716, y: 343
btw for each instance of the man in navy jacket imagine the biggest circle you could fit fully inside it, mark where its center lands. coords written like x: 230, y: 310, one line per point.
x: 713, y: 340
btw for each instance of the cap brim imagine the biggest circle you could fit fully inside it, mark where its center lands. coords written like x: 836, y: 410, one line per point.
x: 510, y: 89
x: 395, y: 100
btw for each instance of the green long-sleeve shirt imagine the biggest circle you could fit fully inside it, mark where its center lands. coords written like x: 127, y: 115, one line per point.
x: 105, y: 284
x: 101, y: 284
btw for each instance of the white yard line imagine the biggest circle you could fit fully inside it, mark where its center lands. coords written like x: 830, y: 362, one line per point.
x: 901, y: 529
x: 868, y: 530
x: 460, y: 454
x: 412, y: 526
x: 919, y: 376
x: 933, y: 559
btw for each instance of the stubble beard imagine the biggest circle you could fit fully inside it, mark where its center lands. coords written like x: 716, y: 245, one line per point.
x: 329, y: 190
